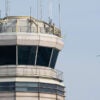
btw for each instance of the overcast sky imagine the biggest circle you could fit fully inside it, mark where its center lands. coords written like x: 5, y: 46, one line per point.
x: 80, y: 22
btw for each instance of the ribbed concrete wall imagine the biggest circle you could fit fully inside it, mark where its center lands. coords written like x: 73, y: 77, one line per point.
x: 31, y: 39
x: 29, y: 96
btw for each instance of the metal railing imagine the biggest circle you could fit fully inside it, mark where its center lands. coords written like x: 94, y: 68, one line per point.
x: 31, y: 72
x: 28, y: 29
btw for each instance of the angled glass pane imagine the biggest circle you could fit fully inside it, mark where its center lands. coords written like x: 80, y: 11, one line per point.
x: 21, y: 84
x: 31, y: 89
x: 7, y: 84
x: 26, y: 55
x: 54, y: 58
x: 26, y: 84
x: 21, y: 89
x: 32, y: 85
x: 7, y: 89
x: 43, y: 56
x: 7, y: 55
x: 60, y: 88
x: 47, y: 90
x: 60, y: 92
x: 26, y: 89
x: 46, y: 85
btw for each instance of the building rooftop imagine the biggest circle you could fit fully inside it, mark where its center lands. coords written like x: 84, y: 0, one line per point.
x: 28, y: 24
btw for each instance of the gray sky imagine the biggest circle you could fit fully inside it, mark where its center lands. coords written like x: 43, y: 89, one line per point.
x: 80, y: 22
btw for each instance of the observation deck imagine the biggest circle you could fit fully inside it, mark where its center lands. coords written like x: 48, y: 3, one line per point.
x: 28, y: 25
x: 30, y: 71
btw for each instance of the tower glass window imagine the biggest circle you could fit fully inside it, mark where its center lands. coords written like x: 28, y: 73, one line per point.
x: 31, y: 87
x: 7, y: 55
x: 43, y: 56
x: 54, y: 58
x: 26, y: 55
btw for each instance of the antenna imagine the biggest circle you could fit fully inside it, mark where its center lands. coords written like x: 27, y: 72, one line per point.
x: 30, y: 11
x: 59, y: 14
x: 6, y: 8
x: 37, y: 7
x: 0, y: 13
x: 30, y: 18
x: 41, y: 9
x: 37, y: 13
x: 50, y: 11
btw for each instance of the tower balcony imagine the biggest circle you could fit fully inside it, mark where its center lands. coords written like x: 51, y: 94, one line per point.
x: 30, y: 71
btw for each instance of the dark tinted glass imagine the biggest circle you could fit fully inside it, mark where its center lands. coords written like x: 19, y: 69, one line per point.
x: 60, y: 92
x: 7, y: 89
x: 21, y: 89
x: 31, y: 87
x: 47, y: 90
x: 26, y: 55
x: 43, y: 56
x: 26, y: 89
x: 7, y: 84
x: 45, y: 85
x: 60, y: 88
x: 54, y: 58
x: 26, y: 84
x: 7, y: 55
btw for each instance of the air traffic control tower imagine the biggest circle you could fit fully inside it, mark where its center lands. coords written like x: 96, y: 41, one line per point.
x: 28, y: 52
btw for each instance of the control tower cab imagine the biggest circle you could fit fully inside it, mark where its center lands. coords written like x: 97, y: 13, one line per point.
x: 28, y: 52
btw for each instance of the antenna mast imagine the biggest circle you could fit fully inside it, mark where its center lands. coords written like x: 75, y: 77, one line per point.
x: 37, y: 7
x: 50, y: 10
x: 30, y: 18
x: 0, y: 13
x: 41, y: 9
x: 6, y: 8
x: 59, y: 14
x: 30, y: 11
